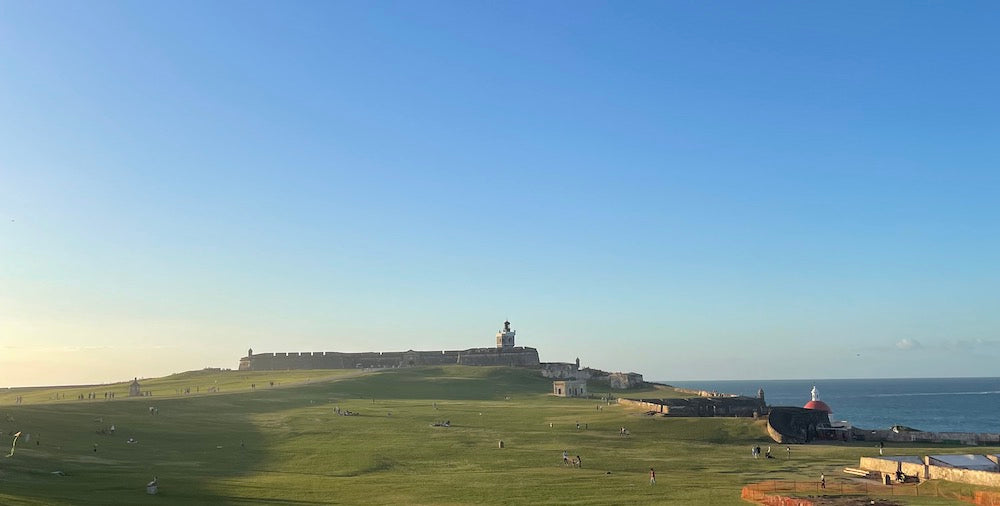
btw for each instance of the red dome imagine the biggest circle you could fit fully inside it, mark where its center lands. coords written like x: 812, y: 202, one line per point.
x: 817, y: 404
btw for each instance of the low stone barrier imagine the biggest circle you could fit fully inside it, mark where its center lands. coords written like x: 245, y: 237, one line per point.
x: 888, y: 466
x: 970, y: 476
x: 965, y: 438
x: 641, y: 404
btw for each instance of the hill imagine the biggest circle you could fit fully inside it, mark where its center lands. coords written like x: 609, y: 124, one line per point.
x: 286, y: 444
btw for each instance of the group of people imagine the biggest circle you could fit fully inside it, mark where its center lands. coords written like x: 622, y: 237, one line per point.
x: 574, y: 461
x: 106, y: 432
x: 755, y: 451
x: 91, y: 396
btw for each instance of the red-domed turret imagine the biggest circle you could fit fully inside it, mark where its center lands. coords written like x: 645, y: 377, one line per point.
x: 817, y: 404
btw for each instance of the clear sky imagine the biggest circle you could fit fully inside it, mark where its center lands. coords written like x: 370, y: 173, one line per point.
x: 683, y: 189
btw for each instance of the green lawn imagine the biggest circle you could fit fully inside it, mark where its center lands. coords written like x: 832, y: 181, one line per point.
x: 296, y: 450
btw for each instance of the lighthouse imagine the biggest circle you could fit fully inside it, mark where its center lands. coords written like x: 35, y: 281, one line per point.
x: 815, y: 403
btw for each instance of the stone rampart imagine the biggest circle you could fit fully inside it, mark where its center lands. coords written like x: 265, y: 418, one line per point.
x: 699, y: 406
x: 966, y: 438
x: 512, y: 357
x: 641, y: 404
x: 786, y: 424
x: 563, y: 370
x: 517, y: 357
x: 624, y: 380
x: 890, y: 466
x: 970, y: 476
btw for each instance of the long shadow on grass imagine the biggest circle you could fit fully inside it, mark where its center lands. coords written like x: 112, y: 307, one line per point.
x: 199, y: 448
x: 445, y: 383
x: 203, y: 449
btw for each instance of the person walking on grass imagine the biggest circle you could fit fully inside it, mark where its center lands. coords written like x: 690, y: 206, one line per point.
x: 652, y: 476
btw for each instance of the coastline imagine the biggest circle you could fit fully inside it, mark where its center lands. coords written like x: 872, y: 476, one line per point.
x: 966, y: 405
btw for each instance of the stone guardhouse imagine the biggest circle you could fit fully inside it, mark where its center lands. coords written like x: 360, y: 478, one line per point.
x: 134, y: 390
x: 570, y: 388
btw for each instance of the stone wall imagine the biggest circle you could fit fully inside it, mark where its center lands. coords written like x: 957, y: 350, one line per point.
x: 888, y: 466
x: 624, y: 381
x: 966, y: 438
x: 520, y: 357
x: 641, y: 404
x: 927, y: 470
x: 513, y: 357
x: 787, y: 424
x: 564, y: 370
x: 970, y: 476
x: 699, y: 406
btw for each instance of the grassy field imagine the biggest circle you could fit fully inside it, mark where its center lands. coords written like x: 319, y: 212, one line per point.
x: 286, y: 445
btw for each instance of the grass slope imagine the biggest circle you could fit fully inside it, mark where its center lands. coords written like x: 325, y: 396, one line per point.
x: 298, y: 451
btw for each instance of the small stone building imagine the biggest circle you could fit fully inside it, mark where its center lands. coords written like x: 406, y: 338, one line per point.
x: 570, y: 388
x: 134, y: 390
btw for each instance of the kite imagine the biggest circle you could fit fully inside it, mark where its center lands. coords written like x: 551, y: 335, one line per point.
x: 13, y: 443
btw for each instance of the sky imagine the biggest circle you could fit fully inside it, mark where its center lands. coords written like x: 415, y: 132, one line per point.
x: 687, y: 190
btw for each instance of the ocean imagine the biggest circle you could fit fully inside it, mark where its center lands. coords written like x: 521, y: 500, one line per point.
x: 931, y: 404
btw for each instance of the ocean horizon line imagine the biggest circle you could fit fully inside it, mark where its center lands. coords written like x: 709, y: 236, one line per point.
x: 668, y: 382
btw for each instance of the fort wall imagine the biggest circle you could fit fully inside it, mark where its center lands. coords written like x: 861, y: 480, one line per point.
x: 563, y: 370
x: 517, y: 357
x: 624, y: 380
x: 699, y: 406
x: 966, y: 438
x: 786, y: 424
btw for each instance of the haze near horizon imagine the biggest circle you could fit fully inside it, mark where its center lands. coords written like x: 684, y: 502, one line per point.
x: 762, y: 191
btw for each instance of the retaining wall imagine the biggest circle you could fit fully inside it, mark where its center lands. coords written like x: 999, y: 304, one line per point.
x: 924, y: 471
x: 966, y: 438
x: 970, y: 476
x: 886, y: 466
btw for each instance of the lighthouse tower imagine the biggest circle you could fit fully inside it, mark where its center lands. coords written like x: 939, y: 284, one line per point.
x: 815, y: 403
x: 505, y: 337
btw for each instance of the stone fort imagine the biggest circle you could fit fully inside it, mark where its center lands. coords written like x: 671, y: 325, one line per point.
x: 504, y: 353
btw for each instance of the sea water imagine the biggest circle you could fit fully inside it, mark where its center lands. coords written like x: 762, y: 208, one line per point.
x: 930, y: 404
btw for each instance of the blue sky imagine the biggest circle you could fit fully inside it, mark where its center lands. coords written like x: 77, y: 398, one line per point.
x: 689, y: 191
